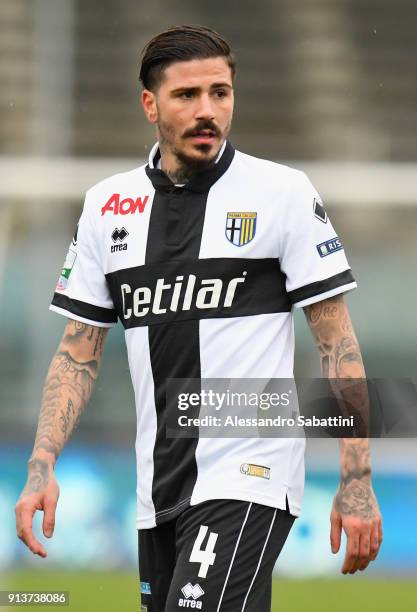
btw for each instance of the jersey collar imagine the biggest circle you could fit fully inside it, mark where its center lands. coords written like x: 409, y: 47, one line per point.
x: 202, y: 181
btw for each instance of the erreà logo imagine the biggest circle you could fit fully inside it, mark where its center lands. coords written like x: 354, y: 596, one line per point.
x: 191, y: 594
x: 127, y: 206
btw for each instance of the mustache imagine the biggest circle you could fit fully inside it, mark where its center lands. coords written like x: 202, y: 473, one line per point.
x: 203, y: 125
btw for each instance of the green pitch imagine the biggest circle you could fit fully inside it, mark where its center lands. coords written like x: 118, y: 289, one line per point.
x: 117, y: 592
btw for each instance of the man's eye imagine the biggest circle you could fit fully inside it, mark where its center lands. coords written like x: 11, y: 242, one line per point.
x: 221, y: 93
x: 187, y: 95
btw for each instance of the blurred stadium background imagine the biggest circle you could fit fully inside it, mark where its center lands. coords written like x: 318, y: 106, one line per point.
x: 326, y: 86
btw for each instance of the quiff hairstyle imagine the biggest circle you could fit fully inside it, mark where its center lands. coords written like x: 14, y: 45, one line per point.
x: 181, y: 44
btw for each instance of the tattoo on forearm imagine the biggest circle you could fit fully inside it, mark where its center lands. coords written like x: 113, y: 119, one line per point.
x: 356, y: 460
x: 341, y: 358
x: 355, y: 495
x: 341, y: 362
x: 66, y: 417
x: 69, y: 385
x: 325, y: 365
x: 38, y: 475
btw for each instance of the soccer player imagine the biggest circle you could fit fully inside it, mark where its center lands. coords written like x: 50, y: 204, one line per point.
x: 202, y: 254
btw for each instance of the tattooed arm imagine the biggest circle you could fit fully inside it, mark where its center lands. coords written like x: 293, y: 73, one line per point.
x: 355, y: 507
x: 68, y: 387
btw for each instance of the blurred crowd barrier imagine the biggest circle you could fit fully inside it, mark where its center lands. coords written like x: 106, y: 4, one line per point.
x: 316, y: 80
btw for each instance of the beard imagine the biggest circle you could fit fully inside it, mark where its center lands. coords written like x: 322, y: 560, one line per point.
x: 196, y: 164
x: 189, y: 165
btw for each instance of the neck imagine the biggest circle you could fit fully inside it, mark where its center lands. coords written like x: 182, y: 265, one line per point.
x: 178, y: 173
x: 180, y: 168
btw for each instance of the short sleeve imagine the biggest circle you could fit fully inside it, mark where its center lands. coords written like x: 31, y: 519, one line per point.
x: 312, y: 256
x: 82, y: 292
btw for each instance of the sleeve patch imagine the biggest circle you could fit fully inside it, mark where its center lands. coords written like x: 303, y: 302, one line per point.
x: 319, y: 211
x: 328, y: 247
x: 66, y: 270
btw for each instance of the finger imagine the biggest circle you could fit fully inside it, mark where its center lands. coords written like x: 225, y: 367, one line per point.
x: 352, y: 551
x: 48, y: 524
x: 335, y: 532
x: 380, y: 531
x: 364, y: 550
x: 25, y: 532
x: 375, y: 541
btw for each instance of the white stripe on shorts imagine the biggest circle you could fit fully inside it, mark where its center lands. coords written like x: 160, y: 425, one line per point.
x: 260, y: 559
x: 233, y: 556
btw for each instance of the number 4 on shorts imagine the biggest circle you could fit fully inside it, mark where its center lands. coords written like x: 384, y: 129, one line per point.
x: 205, y: 557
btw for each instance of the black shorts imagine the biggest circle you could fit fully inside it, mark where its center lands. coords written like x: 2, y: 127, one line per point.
x: 217, y: 555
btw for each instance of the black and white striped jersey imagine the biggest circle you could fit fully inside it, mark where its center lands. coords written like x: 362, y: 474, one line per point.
x: 204, y: 278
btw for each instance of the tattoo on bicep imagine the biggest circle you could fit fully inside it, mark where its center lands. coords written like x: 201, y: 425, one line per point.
x: 314, y: 313
x: 330, y: 311
x: 78, y: 331
x: 98, y: 346
x: 75, y: 330
x: 346, y: 325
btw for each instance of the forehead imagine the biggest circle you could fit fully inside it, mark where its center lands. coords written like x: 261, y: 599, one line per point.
x: 197, y: 73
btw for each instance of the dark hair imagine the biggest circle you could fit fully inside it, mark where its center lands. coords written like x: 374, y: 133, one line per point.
x: 180, y: 44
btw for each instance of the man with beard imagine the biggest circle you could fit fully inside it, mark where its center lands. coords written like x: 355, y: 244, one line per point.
x: 202, y: 254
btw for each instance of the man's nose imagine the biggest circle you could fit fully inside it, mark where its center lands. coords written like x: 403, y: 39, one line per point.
x: 205, y: 109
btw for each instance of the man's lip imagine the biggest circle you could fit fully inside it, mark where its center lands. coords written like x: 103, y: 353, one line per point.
x: 203, y: 137
x: 204, y: 133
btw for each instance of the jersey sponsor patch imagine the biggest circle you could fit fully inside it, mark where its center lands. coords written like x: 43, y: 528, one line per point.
x: 240, y: 227
x: 183, y: 290
x: 250, y: 469
x: 66, y: 268
x: 329, y: 246
x: 125, y: 206
x: 319, y: 212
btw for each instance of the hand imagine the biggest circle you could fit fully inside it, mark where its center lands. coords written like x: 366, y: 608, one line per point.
x: 41, y: 492
x: 355, y: 508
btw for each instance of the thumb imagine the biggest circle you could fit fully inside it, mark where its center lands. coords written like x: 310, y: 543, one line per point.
x: 335, y: 531
x: 48, y: 524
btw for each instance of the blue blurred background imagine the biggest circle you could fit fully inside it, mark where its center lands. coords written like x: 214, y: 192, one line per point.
x: 96, y: 514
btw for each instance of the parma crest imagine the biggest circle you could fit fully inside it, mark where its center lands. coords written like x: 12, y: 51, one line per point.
x: 240, y: 227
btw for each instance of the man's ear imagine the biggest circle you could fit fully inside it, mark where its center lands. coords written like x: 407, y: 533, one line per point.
x: 148, y: 100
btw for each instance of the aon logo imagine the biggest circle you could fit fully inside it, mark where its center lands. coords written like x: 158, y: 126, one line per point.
x: 127, y: 206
